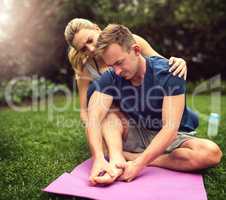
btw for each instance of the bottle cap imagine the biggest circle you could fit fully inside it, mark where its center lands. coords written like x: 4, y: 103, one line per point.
x: 215, y: 115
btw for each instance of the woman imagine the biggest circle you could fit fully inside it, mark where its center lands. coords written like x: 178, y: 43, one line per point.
x: 81, y: 35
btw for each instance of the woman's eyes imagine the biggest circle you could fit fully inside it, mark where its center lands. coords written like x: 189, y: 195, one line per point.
x: 84, y: 49
x: 90, y: 40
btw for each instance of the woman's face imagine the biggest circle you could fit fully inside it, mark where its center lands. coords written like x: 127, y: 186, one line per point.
x: 85, y: 40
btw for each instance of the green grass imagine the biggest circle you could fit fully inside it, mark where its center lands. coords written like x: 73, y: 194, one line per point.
x: 35, y: 150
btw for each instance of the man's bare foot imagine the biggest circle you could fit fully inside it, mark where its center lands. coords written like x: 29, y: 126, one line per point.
x: 114, y: 162
x: 130, y: 156
x: 106, y: 178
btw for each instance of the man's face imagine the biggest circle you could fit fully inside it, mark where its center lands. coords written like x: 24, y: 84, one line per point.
x: 124, y: 64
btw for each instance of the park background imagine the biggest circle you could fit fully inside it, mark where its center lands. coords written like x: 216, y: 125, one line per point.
x: 40, y: 143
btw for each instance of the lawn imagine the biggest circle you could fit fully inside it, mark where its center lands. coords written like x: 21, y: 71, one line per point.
x: 35, y: 149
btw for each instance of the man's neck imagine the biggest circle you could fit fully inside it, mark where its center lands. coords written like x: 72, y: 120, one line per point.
x: 139, y: 76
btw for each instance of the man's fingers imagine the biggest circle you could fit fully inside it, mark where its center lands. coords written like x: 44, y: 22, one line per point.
x: 121, y: 165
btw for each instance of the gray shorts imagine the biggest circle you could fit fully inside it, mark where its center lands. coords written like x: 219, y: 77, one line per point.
x: 139, y: 138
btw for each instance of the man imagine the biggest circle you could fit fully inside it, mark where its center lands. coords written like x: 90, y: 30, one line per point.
x: 160, y: 123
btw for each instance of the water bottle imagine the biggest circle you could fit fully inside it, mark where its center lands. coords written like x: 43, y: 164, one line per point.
x: 213, y: 125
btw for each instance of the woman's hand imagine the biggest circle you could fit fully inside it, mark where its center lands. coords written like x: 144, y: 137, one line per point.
x: 84, y: 117
x: 178, y: 67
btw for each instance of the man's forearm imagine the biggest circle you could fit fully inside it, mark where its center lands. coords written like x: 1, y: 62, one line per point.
x: 158, y: 145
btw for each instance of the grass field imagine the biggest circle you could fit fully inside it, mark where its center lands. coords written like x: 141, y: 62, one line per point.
x: 35, y: 149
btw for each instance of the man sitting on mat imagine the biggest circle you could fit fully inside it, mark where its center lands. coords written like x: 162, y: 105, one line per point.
x: 160, y: 124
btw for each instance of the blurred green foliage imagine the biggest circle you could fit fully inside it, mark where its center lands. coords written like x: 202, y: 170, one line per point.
x: 22, y: 90
x: 194, y: 30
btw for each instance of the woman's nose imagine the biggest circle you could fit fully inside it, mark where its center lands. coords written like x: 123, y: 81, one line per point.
x: 91, y: 48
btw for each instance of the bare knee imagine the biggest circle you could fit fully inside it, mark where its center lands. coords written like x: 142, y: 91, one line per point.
x: 213, y: 154
x: 209, y: 155
x: 202, y: 153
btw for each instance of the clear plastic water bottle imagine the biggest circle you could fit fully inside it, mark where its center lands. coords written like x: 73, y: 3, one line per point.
x: 213, y: 124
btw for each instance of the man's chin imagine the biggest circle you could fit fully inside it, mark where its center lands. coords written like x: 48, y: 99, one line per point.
x: 127, y: 77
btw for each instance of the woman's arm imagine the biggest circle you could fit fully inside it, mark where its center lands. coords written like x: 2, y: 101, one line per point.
x: 178, y: 65
x: 83, y: 80
x: 146, y: 48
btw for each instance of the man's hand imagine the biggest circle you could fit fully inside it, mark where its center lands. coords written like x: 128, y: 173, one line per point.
x: 131, y: 170
x: 101, y: 168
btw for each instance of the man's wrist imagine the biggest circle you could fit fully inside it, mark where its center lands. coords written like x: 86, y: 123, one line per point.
x: 143, y: 160
x: 140, y: 161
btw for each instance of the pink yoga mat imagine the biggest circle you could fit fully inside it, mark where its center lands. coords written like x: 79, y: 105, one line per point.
x: 152, y: 184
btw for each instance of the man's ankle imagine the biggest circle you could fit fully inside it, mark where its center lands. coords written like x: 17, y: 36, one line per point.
x: 117, y: 157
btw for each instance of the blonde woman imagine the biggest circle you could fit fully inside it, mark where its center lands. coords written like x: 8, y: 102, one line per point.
x: 81, y: 35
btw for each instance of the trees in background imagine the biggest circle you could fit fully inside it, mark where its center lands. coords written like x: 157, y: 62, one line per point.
x: 32, y: 41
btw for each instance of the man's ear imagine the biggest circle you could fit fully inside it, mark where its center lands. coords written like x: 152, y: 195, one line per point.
x: 137, y: 49
x: 97, y: 27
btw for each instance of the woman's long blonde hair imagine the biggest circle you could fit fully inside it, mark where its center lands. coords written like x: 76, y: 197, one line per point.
x: 77, y: 58
x: 74, y: 26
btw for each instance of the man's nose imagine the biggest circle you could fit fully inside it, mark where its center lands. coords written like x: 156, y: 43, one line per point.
x: 118, y: 70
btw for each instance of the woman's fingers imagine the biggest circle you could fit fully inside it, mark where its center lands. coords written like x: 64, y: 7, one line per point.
x: 182, y: 72
x: 185, y: 75
x: 177, y: 70
x: 175, y: 63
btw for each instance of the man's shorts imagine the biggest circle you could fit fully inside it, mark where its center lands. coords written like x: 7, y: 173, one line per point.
x: 139, y: 138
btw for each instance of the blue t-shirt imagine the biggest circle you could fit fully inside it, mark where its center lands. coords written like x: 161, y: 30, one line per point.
x: 144, y: 102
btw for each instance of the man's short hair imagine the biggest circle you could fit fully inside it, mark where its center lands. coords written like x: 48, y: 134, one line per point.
x: 114, y: 34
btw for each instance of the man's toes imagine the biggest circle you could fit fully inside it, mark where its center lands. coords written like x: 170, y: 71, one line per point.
x: 105, y: 179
